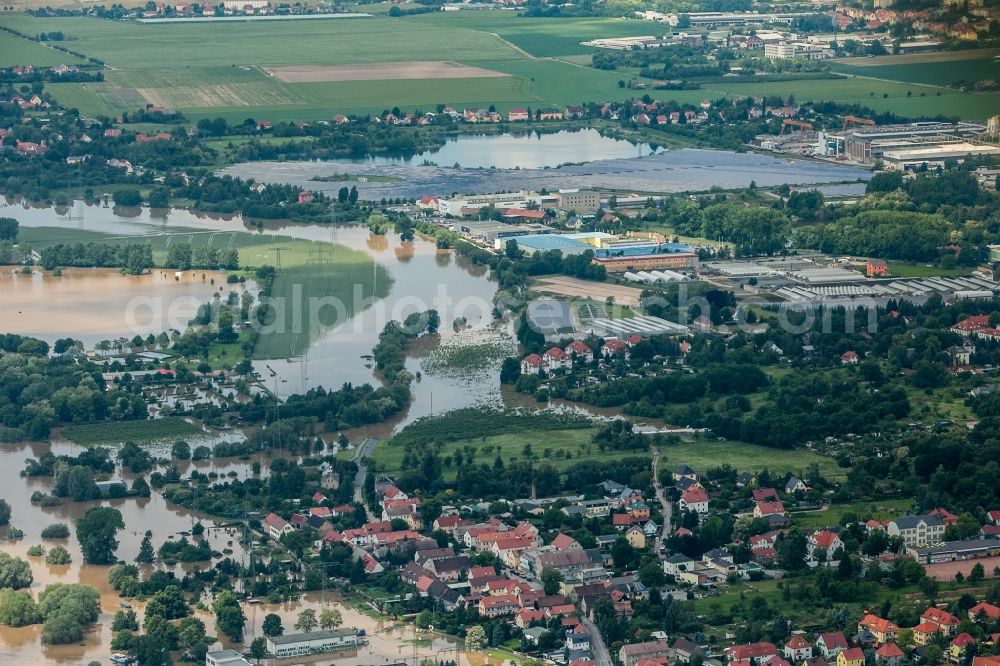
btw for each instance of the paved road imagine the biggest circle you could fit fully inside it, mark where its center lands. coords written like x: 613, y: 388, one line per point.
x: 601, y: 655
x: 363, y: 451
x: 664, y: 502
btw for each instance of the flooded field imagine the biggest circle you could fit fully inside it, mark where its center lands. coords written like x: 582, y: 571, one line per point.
x: 90, y: 304
x: 99, y: 304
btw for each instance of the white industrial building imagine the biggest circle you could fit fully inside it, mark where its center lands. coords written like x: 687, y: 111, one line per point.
x: 313, y: 642
x: 934, y: 154
x: 642, y: 325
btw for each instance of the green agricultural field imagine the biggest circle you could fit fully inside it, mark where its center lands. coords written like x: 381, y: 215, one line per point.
x: 702, y: 454
x: 933, y: 69
x: 218, y: 69
x: 140, y: 432
x: 17, y: 51
x: 544, y: 37
x: 901, y: 98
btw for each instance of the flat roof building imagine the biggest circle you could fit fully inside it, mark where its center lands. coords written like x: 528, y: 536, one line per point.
x: 313, y: 642
x: 934, y: 154
x: 645, y: 262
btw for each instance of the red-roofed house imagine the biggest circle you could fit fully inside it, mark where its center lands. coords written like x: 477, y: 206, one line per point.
x: 276, y: 526
x: 764, y: 509
x: 825, y: 539
x: 994, y: 516
x: 532, y: 364
x: 946, y: 516
x: 849, y: 358
x: 557, y: 358
x: 959, y: 646
x: 526, y: 616
x: 883, y: 630
x: 694, y: 499
x: 889, y: 655
x: 495, y: 606
x: 945, y: 621
x: 851, y: 657
x: 517, y: 114
x: 970, y: 325
x: 989, y: 611
x: 581, y: 351
x: 760, y: 652
x: 621, y: 520
x: 393, y: 493
x: 831, y: 644
x: 614, y: 347
x: 764, y: 494
x: 798, y: 649
x: 565, y: 542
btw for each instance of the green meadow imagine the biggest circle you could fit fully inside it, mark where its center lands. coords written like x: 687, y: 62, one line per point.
x: 216, y: 69
x: 18, y: 51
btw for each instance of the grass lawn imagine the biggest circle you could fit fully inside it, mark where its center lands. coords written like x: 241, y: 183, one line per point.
x: 564, y: 447
x: 703, y: 454
x: 139, y: 432
x: 879, y: 510
x: 19, y: 51
x: 904, y: 269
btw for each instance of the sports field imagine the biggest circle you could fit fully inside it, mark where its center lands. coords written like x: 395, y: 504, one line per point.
x: 310, y: 70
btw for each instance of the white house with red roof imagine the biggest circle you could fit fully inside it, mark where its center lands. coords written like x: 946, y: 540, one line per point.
x: 276, y: 526
x: 557, y: 358
x: 946, y: 622
x: 614, y: 347
x: 694, y: 498
x: 764, y: 509
x: 532, y: 364
x: 581, y: 350
x: 826, y: 540
x: 994, y: 516
x: 970, y: 325
x: 849, y: 358
x: 798, y: 649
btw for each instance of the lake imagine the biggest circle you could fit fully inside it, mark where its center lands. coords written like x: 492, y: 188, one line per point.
x: 534, y: 150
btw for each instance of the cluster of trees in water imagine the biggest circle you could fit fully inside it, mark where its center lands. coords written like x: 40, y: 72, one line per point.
x: 134, y: 259
x: 183, y: 256
x: 37, y: 392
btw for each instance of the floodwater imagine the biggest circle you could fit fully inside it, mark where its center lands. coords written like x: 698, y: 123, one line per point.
x: 533, y: 150
x: 422, y: 277
x: 93, y: 304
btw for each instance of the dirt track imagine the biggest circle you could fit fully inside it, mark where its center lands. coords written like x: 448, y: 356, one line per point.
x: 382, y: 71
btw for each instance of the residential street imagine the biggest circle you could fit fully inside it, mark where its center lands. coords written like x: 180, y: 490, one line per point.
x: 360, y: 454
x: 601, y: 655
x: 664, y: 503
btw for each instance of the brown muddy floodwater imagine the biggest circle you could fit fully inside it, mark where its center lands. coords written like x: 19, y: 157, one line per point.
x: 98, y: 304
